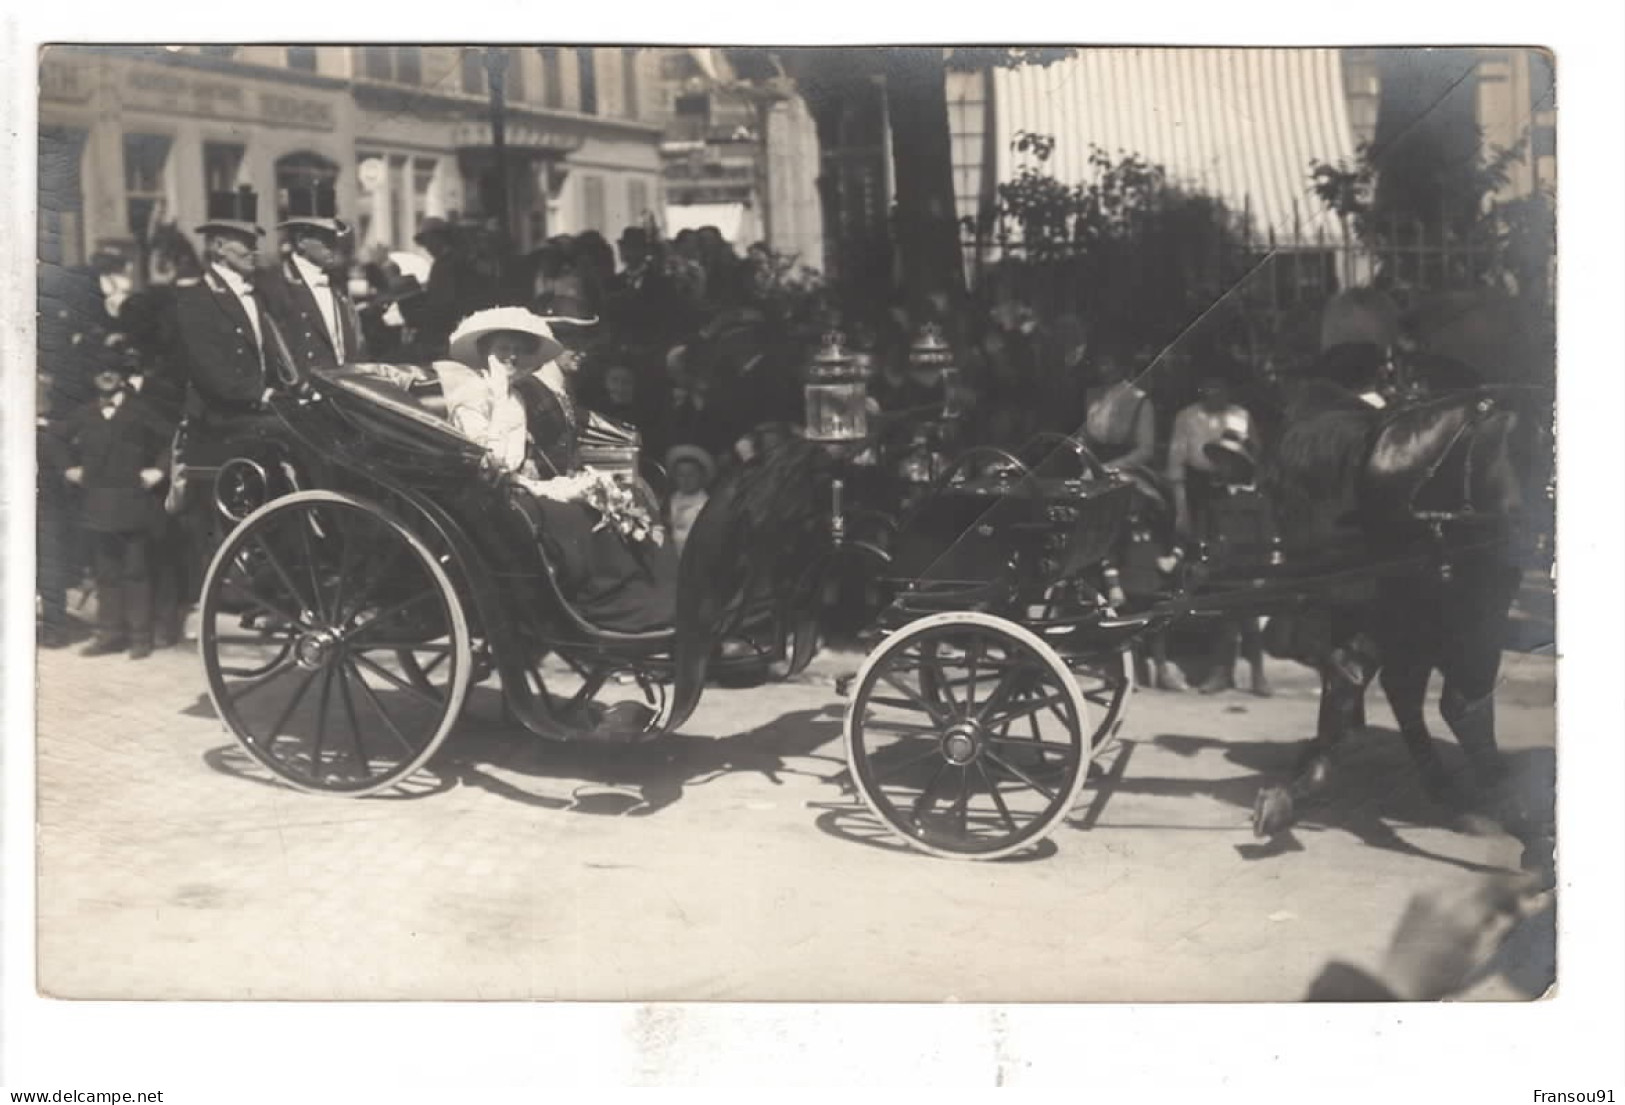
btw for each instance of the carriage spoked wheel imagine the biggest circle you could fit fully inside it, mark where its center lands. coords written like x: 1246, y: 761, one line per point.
x: 352, y: 664
x: 968, y: 735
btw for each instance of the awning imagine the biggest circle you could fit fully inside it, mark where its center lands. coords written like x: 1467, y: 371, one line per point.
x: 1241, y: 124
x: 736, y: 221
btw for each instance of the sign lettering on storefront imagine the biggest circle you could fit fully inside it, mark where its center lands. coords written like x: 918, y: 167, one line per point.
x: 183, y: 93
x: 60, y: 81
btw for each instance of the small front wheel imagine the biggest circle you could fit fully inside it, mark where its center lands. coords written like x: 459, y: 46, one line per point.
x: 968, y: 735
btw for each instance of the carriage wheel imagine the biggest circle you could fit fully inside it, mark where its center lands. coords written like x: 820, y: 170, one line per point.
x: 966, y: 735
x: 353, y: 662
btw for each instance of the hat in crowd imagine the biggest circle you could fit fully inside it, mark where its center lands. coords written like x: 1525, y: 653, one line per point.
x: 315, y: 205
x: 679, y: 453
x: 233, y: 212
x: 570, y: 310
x: 464, y: 344
x: 1232, y: 456
x: 432, y: 226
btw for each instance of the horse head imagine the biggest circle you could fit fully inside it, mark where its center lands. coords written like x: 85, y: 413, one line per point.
x: 1460, y: 458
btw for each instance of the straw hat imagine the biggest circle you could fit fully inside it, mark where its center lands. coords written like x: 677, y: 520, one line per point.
x: 464, y: 344
x: 1232, y: 457
x: 680, y: 453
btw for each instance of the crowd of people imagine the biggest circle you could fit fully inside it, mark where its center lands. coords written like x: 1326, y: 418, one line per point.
x: 697, y: 347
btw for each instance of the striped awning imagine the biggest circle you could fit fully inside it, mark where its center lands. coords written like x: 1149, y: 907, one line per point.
x: 1241, y: 124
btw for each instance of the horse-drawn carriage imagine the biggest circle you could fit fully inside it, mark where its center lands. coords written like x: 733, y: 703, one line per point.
x: 378, y: 569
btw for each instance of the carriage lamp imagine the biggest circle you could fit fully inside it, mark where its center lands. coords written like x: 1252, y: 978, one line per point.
x: 836, y: 390
x: 931, y: 364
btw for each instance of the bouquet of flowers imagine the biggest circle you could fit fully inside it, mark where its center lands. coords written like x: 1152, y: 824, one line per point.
x: 611, y: 496
x: 619, y: 508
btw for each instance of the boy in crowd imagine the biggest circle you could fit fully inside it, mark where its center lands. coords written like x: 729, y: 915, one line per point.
x: 119, y: 447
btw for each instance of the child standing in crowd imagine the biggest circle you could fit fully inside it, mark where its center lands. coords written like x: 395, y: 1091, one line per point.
x: 1207, y: 434
x: 119, y: 446
x: 691, y: 469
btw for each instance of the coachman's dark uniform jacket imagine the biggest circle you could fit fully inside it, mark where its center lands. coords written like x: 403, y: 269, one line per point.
x: 292, y: 303
x: 217, y: 353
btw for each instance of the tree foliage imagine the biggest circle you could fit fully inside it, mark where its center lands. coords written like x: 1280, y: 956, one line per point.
x: 1134, y: 255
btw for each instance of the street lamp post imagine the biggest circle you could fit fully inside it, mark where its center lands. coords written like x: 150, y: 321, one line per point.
x: 496, y: 67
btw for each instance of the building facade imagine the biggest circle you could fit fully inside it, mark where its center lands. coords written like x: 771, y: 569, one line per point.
x: 133, y: 137
x: 738, y: 157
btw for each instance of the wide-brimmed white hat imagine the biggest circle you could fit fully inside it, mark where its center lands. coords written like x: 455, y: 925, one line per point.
x: 465, y: 339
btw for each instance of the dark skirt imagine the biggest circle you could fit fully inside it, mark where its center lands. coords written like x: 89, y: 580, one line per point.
x: 613, y: 582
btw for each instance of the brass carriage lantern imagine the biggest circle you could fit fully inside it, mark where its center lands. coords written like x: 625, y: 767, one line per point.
x: 931, y: 363
x: 836, y: 391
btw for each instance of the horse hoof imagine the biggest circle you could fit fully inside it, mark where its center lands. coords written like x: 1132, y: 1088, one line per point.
x: 1272, y: 812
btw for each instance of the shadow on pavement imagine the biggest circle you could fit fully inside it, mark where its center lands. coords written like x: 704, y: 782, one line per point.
x: 856, y: 824
x: 1373, y: 787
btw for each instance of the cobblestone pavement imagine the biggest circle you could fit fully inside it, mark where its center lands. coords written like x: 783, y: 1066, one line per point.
x: 725, y: 863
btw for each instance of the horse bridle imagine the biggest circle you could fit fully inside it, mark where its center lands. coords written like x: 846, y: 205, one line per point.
x: 1466, y: 512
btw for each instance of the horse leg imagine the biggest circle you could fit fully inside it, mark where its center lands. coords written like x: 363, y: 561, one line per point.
x: 1343, y: 681
x: 1405, y: 683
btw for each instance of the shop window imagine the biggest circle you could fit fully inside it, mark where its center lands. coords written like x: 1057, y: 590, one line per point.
x: 552, y: 77
x: 473, y: 62
x: 146, y: 179
x: 396, y: 64
x: 409, y: 64
x: 513, y: 76
x: 593, y: 196
x: 222, y: 166
x: 377, y: 63
x: 299, y: 171
x: 629, y: 81
x: 589, y: 80
x: 302, y: 58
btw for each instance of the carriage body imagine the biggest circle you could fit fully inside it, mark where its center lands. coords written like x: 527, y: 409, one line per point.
x: 386, y: 568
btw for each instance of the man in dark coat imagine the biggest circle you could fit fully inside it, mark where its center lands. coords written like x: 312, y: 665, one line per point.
x: 228, y: 347
x: 57, y: 561
x: 311, y: 308
x: 119, y: 446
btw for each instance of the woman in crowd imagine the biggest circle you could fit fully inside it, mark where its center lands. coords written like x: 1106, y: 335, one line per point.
x: 509, y: 386
x: 1119, y: 427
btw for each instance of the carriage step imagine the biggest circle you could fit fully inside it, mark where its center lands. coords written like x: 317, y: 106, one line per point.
x: 843, y: 683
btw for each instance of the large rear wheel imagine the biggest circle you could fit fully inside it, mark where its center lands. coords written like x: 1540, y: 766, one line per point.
x: 352, y: 660
x: 968, y: 735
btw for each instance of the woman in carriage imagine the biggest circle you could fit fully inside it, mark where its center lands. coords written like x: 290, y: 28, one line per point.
x: 509, y: 387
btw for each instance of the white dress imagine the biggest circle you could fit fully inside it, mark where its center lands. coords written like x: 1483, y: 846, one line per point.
x: 485, y: 410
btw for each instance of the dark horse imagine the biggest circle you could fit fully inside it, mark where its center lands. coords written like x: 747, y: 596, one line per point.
x: 1431, y: 496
